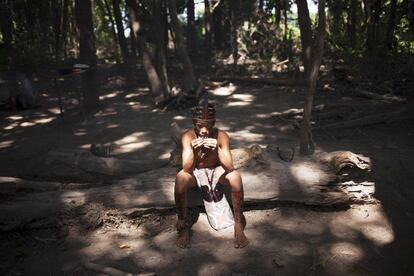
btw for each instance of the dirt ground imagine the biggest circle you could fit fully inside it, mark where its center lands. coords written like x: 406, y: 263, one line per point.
x: 286, y: 238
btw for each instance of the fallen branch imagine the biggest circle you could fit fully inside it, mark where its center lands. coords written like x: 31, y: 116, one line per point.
x: 269, y: 81
x: 364, y: 121
x: 375, y: 96
x: 13, y: 184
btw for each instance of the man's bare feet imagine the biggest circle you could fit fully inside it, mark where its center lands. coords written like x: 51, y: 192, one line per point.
x: 183, y: 239
x: 240, y: 239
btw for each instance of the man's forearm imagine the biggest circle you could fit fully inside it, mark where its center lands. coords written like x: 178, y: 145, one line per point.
x: 225, y: 160
x: 188, y: 162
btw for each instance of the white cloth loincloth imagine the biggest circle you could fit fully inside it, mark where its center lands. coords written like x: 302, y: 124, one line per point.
x: 218, y: 210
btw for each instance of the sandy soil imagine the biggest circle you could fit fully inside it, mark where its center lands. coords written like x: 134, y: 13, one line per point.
x: 286, y: 239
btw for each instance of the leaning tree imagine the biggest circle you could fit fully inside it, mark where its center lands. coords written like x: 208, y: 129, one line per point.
x: 312, y: 50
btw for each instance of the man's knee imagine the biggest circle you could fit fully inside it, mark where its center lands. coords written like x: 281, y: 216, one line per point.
x: 233, y: 176
x: 183, y: 181
x: 234, y: 180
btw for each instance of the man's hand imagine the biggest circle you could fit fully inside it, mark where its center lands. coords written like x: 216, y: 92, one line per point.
x: 196, y: 143
x: 210, y: 143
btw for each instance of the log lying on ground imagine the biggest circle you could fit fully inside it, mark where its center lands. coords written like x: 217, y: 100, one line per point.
x: 266, y: 178
x: 13, y: 185
x: 375, y: 96
x: 338, y: 160
x: 268, y: 81
x: 77, y: 165
x: 367, y: 120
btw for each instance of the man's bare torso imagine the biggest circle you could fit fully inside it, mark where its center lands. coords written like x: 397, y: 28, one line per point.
x: 204, y: 157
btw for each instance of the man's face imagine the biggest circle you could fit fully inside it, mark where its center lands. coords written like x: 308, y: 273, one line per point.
x: 203, y: 129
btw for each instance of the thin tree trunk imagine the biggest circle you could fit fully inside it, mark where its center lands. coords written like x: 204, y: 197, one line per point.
x: 278, y: 17
x: 190, y: 82
x: 120, y: 31
x: 305, y: 34
x: 286, y: 27
x: 306, y: 142
x: 352, y: 22
x: 65, y: 26
x: 336, y: 19
x: 373, y: 20
x: 234, y: 7
x: 132, y: 38
x: 149, y: 68
x: 208, y: 34
x: 161, y: 61
x: 391, y: 25
x: 73, y: 32
x: 191, y: 29
x: 107, y: 10
x: 57, y: 21
x: 88, y: 56
x: 217, y: 26
x: 7, y: 32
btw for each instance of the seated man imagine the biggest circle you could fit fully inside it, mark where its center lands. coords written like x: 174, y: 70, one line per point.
x: 207, y: 147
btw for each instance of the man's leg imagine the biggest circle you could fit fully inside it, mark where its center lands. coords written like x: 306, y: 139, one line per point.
x: 183, y: 182
x: 237, y: 197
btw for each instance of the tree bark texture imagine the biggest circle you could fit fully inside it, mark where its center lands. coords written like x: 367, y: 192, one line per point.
x: 305, y: 34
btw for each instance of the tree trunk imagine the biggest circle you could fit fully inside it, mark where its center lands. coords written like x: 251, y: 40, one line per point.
x: 6, y: 27
x: 191, y: 29
x: 57, y: 21
x: 352, y: 23
x: 73, y: 32
x: 306, y: 142
x: 107, y: 10
x: 65, y: 27
x: 208, y: 35
x: 217, y: 26
x: 391, y: 25
x: 285, y: 17
x: 123, y: 44
x: 190, y: 83
x: 132, y: 38
x: 372, y: 22
x: 234, y: 7
x: 278, y: 17
x: 161, y: 61
x: 149, y: 68
x: 336, y: 19
x: 120, y: 31
x: 261, y: 5
x: 305, y: 34
x: 88, y: 56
